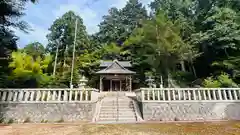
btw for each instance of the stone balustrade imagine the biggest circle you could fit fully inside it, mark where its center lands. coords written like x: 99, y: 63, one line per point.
x: 189, y: 104
x: 48, y: 95
x: 188, y: 94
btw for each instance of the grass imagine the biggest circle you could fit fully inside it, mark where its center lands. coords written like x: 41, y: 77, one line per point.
x: 214, y: 128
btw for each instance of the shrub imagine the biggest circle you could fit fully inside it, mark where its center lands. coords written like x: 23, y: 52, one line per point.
x: 2, y: 119
x: 211, y: 83
x: 176, y: 119
x: 60, y: 121
x: 27, y: 120
x: 10, y: 121
x: 44, y: 121
x: 226, y: 81
x: 222, y: 80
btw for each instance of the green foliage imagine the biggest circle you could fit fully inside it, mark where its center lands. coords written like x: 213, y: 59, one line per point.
x: 62, y: 34
x: 28, y: 72
x: 180, y: 40
x: 27, y: 120
x: 120, y: 23
x: 11, y: 11
x: 162, y: 47
x: 222, y: 80
x: 10, y: 121
x: 35, y: 50
x: 226, y: 81
x: 44, y: 121
x: 2, y: 119
x: 60, y: 121
x: 183, y: 79
x: 211, y: 83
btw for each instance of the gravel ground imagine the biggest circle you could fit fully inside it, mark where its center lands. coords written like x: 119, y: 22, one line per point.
x: 214, y: 128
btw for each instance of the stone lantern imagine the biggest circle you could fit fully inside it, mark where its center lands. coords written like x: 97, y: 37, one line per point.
x: 82, y: 82
x: 150, y: 81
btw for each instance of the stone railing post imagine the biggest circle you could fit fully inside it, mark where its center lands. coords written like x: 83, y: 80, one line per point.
x: 65, y: 95
x: 143, y: 94
x: 94, y: 95
x: 10, y: 94
x: 20, y: 97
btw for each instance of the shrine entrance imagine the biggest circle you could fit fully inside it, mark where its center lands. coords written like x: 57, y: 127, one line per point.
x: 116, y: 86
x: 115, y: 77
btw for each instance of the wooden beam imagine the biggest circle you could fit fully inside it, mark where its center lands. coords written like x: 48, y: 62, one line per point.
x: 120, y: 85
x: 130, y: 81
x: 111, y: 85
x: 100, y: 87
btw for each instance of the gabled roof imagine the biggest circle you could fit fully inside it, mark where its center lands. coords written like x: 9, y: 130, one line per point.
x: 115, y: 68
x: 125, y: 64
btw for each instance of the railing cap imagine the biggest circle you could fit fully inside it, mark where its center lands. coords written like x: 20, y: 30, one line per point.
x: 49, y: 89
x: 189, y: 89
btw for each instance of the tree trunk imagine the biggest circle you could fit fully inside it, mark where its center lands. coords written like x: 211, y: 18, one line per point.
x: 183, y: 66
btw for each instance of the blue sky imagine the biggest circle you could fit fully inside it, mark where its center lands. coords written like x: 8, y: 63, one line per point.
x: 40, y: 16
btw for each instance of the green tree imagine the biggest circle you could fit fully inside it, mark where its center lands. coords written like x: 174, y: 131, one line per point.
x: 34, y: 49
x: 10, y: 13
x: 212, y: 27
x: 28, y: 72
x: 62, y: 34
x: 120, y: 23
x: 162, y: 45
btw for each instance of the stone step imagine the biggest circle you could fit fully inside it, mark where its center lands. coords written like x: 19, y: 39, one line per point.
x: 115, y: 103
x: 113, y: 109
x: 117, y: 115
x: 115, y: 98
x: 120, y: 112
x: 116, y: 109
x: 115, y: 119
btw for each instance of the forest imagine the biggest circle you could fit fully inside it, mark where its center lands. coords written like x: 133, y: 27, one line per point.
x: 189, y: 43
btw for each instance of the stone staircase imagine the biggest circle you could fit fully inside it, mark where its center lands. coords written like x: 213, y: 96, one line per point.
x: 117, y: 108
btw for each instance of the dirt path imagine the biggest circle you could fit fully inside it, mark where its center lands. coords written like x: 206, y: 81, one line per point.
x: 223, y: 128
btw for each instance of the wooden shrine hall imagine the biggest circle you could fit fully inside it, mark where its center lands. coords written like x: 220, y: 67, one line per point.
x: 115, y: 76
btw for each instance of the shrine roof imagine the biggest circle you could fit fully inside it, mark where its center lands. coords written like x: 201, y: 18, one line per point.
x: 115, y: 67
x: 122, y: 63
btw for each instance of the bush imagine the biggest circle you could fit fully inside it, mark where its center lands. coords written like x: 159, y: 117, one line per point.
x: 183, y: 78
x: 176, y: 119
x: 222, y: 80
x: 27, y: 120
x: 2, y: 119
x: 44, y: 121
x: 60, y: 121
x: 226, y: 81
x: 10, y: 121
x: 211, y: 83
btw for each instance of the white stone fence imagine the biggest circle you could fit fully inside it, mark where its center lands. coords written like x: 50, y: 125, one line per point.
x: 188, y: 94
x: 48, y: 95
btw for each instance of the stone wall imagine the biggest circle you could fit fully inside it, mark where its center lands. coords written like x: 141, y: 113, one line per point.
x: 190, y: 111
x: 51, y: 112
